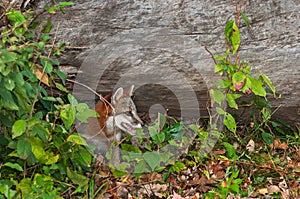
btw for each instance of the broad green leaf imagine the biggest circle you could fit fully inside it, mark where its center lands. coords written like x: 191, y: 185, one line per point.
x: 247, y: 86
x: 257, y: 87
x: 141, y: 167
x: 267, y: 137
x: 18, y: 128
x: 220, y: 111
x: 15, y: 17
x: 9, y: 84
x: 84, y: 112
x: 228, y: 30
x: 217, y: 95
x: 219, y: 69
x: 230, y: 97
x: 47, y: 65
x: 25, y: 187
x: 152, y: 159
x: 77, y: 178
x: 6, y: 57
x: 232, y: 35
x: 37, y: 148
x: 224, y: 83
x: 230, y: 123
x: 67, y: 115
x: 269, y: 83
x: 13, y: 166
x: 83, y: 157
x: 7, y: 100
x: 73, y: 101
x: 61, y: 75
x: 238, y: 80
x: 77, y: 139
x: 23, y: 149
x: 51, y: 158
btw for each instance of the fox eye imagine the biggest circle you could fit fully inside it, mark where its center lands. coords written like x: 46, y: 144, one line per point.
x: 128, y: 113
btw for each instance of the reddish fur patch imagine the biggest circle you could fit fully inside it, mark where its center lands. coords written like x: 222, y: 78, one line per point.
x: 97, y: 125
x: 104, y: 110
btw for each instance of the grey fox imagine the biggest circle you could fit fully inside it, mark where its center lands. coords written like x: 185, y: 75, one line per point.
x: 117, y: 113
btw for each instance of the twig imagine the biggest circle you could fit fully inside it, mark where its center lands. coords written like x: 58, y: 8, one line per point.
x: 211, y: 54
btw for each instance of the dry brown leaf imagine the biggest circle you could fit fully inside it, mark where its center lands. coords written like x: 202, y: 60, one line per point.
x: 43, y: 77
x: 263, y: 191
x: 220, y: 152
x: 250, y: 146
x: 273, y: 189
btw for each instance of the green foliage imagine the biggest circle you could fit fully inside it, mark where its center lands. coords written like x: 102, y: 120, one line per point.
x: 159, y: 152
x: 42, y: 155
x: 237, y: 79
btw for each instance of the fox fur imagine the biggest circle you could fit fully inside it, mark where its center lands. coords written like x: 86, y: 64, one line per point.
x: 117, y: 114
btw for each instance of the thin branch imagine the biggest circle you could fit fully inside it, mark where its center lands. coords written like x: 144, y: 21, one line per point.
x: 211, y: 54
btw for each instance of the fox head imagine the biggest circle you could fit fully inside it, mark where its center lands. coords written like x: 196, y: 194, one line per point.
x: 118, y: 111
x: 125, y: 113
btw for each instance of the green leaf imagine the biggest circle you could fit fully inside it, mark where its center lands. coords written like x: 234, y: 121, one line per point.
x: 84, y: 112
x: 15, y: 17
x: 25, y: 187
x: 257, y: 87
x: 47, y: 65
x: 51, y: 158
x: 229, y: 122
x: 246, y: 19
x: 217, y: 95
x: 13, y: 166
x: 77, y: 178
x: 18, y: 128
x: 61, y: 87
x: 61, y: 75
x: 230, y: 151
x: 66, y: 3
x: 77, y: 139
x: 67, y: 115
x: 45, y: 37
x: 230, y: 97
x: 23, y: 149
x: 72, y: 100
x: 7, y: 100
x: 152, y: 159
x: 141, y: 167
x: 267, y: 137
x: 47, y: 27
x: 269, y: 83
x: 232, y: 35
x: 219, y: 69
x: 37, y: 148
x: 266, y: 114
x: 9, y: 84
x: 220, y: 111
x: 238, y: 80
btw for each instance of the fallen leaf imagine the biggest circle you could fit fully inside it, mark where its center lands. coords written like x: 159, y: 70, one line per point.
x: 250, y: 146
x: 176, y: 196
x: 43, y: 77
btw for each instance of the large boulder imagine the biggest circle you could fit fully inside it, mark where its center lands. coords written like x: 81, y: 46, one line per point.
x: 158, y: 45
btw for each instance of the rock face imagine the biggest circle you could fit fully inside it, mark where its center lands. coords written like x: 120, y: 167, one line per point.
x: 158, y: 45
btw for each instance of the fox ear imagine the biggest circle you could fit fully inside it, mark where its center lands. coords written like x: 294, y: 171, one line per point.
x: 129, y: 91
x: 117, y: 95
